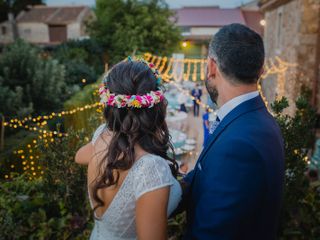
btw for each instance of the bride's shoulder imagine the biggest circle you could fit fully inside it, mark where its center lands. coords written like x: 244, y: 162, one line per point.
x: 151, y: 172
x: 152, y: 166
x: 100, y: 132
x: 150, y: 160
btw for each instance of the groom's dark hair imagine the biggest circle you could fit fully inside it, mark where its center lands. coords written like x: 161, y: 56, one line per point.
x: 238, y: 52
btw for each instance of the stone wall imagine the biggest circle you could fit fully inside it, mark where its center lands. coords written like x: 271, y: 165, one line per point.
x: 6, y: 33
x: 291, y: 32
x: 34, y: 32
x: 73, y: 31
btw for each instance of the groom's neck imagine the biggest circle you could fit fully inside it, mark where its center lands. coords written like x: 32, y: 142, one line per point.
x: 229, y: 91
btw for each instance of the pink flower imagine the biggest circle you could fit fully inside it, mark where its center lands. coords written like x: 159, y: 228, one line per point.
x: 123, y: 104
x: 149, y: 99
x: 102, y: 90
x: 139, y: 98
x: 111, y: 100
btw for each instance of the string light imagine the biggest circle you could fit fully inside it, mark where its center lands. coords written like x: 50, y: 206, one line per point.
x: 45, y: 135
x: 158, y: 62
x: 202, y: 76
x: 194, y: 76
x: 20, y: 123
x: 164, y: 61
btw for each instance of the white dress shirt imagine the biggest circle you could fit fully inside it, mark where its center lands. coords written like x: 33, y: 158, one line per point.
x: 226, y: 108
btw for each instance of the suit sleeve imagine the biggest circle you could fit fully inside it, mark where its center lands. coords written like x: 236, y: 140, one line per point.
x: 232, y: 186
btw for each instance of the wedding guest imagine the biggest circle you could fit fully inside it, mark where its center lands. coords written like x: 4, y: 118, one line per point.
x: 206, y: 126
x: 196, y: 93
x: 182, y: 100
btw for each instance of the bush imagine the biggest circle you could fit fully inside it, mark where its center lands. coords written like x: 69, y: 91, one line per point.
x: 75, y: 73
x: 53, y: 206
x: 301, y: 210
x: 29, y: 83
x: 87, y: 51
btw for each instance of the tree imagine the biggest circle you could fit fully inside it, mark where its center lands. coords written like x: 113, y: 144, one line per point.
x: 83, y: 59
x: 15, y: 7
x: 29, y: 83
x: 124, y: 27
x: 87, y: 51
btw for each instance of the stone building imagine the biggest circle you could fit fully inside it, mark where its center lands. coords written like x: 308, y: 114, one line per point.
x: 292, y: 33
x: 199, y: 24
x: 47, y: 25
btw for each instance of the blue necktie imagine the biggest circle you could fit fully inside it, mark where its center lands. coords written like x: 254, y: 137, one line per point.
x: 214, y: 125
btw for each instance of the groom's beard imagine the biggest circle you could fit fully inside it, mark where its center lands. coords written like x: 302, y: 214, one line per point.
x: 213, y: 91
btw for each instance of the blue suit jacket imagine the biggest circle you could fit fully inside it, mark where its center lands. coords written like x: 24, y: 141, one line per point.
x: 235, y: 189
x: 193, y: 93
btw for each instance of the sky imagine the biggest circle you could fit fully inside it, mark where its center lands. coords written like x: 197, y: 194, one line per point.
x: 172, y: 3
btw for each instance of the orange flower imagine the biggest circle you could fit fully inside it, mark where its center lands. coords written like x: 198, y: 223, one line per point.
x: 135, y: 103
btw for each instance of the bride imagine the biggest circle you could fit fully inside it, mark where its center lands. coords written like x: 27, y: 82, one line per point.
x: 131, y: 178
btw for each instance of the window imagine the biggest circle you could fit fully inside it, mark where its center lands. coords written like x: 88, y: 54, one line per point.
x: 185, y: 31
x: 27, y: 31
x: 3, y: 30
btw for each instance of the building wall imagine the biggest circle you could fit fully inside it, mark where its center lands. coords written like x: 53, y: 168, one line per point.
x: 34, y: 32
x: 310, y: 43
x: 73, y: 31
x: 281, y: 39
x: 204, y: 31
x: 291, y: 32
x: 6, y: 36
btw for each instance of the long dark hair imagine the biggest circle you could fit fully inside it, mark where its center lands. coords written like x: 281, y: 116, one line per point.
x: 131, y: 126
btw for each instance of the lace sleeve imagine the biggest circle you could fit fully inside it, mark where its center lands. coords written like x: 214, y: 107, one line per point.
x: 152, y: 173
x: 98, y: 132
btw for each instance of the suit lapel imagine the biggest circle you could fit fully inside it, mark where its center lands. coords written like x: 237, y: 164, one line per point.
x: 243, y: 108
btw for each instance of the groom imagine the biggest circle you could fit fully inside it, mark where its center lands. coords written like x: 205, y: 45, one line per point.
x: 235, y: 189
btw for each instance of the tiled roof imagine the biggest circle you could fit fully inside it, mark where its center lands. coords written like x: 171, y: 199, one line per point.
x: 267, y: 5
x: 53, y: 15
x: 208, y: 16
x: 217, y: 17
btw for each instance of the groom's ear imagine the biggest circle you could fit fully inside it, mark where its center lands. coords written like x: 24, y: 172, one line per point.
x: 212, y: 68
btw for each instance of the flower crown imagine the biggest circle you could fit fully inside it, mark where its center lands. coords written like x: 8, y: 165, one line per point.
x: 147, y: 100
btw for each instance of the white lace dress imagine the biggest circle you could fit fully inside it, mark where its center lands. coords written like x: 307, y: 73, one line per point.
x: 148, y: 173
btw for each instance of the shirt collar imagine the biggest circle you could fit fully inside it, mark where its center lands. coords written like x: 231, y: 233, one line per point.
x: 234, y: 102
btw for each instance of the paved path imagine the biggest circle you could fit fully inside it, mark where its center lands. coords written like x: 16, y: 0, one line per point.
x: 194, y: 129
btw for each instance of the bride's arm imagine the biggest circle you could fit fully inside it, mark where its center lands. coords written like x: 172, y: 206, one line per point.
x: 151, y: 214
x: 84, y: 154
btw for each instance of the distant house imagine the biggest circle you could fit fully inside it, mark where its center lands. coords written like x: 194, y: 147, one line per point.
x: 48, y: 25
x: 292, y: 32
x: 199, y: 24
